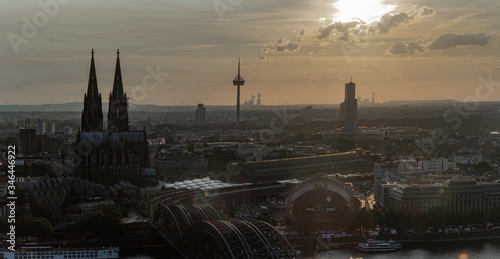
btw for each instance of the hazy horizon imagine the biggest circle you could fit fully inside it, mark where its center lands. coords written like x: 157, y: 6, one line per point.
x: 105, y: 103
x: 292, y: 52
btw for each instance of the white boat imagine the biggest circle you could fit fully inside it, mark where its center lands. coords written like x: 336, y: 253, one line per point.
x: 33, y: 252
x: 378, y: 246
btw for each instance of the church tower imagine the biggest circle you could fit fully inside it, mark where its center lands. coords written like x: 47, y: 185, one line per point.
x: 116, y: 154
x: 118, y: 108
x: 92, y: 106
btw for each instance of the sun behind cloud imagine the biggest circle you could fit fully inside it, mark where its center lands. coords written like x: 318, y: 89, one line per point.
x: 367, y: 11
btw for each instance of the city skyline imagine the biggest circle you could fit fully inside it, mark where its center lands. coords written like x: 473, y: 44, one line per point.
x: 292, y: 52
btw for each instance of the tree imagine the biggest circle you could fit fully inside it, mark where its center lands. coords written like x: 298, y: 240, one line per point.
x: 475, y: 217
x: 364, y: 218
x: 483, y: 167
x: 213, y: 139
x: 356, y: 203
x: 22, y: 212
x: 403, y: 218
x: 344, y: 144
x: 105, y: 221
x: 34, y: 226
x: 495, y: 215
x: 435, y: 218
x: 4, y: 225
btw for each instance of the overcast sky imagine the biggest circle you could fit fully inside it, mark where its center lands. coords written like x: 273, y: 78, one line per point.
x: 291, y: 51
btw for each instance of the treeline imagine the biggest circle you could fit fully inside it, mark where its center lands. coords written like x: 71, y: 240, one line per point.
x: 104, y: 221
x: 455, y: 123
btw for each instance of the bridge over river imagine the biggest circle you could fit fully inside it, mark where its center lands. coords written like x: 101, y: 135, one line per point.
x: 196, y: 230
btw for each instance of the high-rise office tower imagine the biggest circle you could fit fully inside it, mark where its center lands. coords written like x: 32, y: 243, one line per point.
x: 349, y: 109
x: 51, y: 128
x: 42, y: 126
x: 200, y: 115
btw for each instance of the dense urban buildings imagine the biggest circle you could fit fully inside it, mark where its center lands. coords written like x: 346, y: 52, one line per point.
x: 458, y: 196
x: 311, y: 170
x: 177, y: 163
x: 303, y: 167
x: 163, y: 167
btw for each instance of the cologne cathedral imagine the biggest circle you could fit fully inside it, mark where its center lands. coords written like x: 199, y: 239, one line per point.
x: 107, y: 156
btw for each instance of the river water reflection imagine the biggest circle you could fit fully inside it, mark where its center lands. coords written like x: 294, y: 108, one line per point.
x: 459, y: 250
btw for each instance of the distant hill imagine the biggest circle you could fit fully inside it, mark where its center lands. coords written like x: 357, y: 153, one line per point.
x: 70, y: 107
x: 78, y: 106
x: 420, y: 102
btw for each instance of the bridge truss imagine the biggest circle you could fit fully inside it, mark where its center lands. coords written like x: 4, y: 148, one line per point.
x: 198, y: 231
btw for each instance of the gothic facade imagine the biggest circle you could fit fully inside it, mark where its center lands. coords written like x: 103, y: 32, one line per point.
x: 112, y: 155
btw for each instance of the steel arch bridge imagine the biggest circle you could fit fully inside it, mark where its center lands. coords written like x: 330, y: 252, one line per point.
x: 198, y: 231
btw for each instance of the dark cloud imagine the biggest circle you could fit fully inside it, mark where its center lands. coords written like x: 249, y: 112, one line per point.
x: 265, y: 59
x: 407, y: 48
x: 445, y: 41
x: 389, y: 21
x: 281, y: 45
x: 448, y: 41
x: 383, y: 26
x: 301, y: 33
x: 344, y: 28
x: 427, y: 11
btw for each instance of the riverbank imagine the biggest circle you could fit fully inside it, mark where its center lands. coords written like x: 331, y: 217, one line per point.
x: 136, y: 239
x: 458, y: 249
x: 316, y: 242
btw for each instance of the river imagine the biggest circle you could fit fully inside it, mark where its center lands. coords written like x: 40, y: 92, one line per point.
x: 458, y: 250
x: 451, y: 250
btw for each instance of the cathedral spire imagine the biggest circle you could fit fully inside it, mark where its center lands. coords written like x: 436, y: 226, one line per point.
x: 92, y: 90
x: 118, y: 107
x: 117, y: 84
x: 92, y: 103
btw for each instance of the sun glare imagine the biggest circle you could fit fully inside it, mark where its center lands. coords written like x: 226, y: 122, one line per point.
x: 366, y: 10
